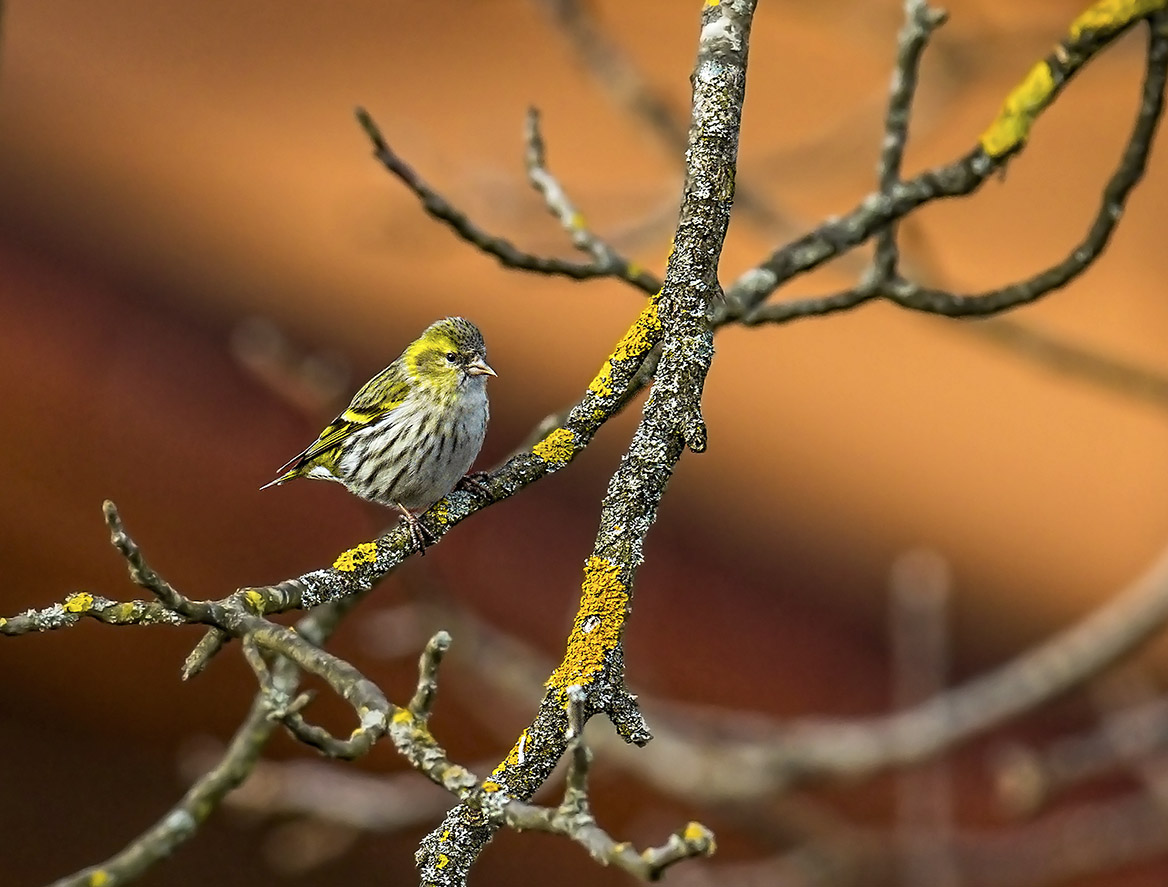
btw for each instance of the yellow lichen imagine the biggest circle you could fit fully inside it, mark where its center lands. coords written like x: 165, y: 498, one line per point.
x: 98, y: 878
x: 403, y: 716
x: 490, y: 785
x: 255, y: 600
x: 712, y: 2
x: 577, y: 221
x: 635, y: 343
x: 445, y: 836
x: 597, y: 628
x: 127, y: 611
x: 696, y: 833
x: 601, y: 384
x: 453, y: 773
x: 1110, y: 15
x: 365, y: 553
x: 1022, y: 106
x: 640, y: 337
x: 443, y: 860
x: 558, y: 447
x: 440, y: 511
x: 78, y: 602
x: 3, y: 622
x: 512, y: 759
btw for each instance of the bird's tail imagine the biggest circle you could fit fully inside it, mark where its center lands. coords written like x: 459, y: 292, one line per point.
x: 286, y: 476
x: 277, y: 481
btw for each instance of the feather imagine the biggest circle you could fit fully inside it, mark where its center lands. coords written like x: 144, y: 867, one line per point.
x: 378, y: 397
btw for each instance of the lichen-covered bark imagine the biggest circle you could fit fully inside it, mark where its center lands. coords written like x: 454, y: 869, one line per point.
x: 671, y: 421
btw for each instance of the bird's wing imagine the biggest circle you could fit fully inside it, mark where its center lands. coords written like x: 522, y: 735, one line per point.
x: 378, y: 397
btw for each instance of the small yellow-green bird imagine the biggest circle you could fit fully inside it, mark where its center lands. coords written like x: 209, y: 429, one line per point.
x: 411, y: 433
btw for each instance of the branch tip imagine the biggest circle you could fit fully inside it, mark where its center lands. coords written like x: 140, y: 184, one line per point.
x: 372, y: 131
x: 422, y: 702
x: 210, y: 644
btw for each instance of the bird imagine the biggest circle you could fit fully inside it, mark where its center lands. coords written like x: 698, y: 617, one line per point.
x: 411, y: 433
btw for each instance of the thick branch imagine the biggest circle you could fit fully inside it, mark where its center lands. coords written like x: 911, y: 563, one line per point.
x: 672, y: 420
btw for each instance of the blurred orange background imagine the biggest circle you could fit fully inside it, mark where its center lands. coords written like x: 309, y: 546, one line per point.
x: 199, y: 260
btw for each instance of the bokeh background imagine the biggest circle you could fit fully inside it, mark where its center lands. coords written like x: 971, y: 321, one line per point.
x: 199, y: 261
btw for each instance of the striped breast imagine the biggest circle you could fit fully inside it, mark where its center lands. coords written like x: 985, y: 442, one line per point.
x: 413, y: 458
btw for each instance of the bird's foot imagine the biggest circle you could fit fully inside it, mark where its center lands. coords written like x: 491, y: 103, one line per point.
x: 475, y: 482
x: 422, y: 538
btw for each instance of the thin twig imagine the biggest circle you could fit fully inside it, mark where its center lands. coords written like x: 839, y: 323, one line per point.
x: 620, y: 77
x: 1127, y: 175
x: 1003, y: 139
x: 573, y: 817
x: 241, y: 755
x: 438, y: 207
x: 422, y: 702
x: 919, y: 23
x: 608, y: 261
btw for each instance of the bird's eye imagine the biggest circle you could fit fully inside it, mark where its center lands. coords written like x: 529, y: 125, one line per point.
x: 451, y: 357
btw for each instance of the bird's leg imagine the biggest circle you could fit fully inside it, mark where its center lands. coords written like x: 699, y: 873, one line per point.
x: 421, y: 537
x: 475, y: 482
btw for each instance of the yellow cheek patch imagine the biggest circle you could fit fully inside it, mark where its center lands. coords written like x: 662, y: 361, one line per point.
x: 365, y: 553
x: 597, y: 629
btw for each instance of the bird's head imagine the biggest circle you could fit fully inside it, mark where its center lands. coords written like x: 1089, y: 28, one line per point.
x: 449, y: 356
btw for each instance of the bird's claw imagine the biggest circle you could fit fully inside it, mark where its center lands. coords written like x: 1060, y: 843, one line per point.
x: 475, y: 482
x: 422, y: 538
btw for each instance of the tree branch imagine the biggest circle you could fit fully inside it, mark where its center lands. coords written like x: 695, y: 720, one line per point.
x: 509, y: 255
x: 594, y: 659
x: 606, y: 260
x: 236, y: 763
x: 1088, y: 35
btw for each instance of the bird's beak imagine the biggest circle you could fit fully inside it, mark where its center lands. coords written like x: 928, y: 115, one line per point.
x: 478, y: 367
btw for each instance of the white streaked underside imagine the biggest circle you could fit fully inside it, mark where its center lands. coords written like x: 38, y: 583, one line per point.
x: 397, y: 461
